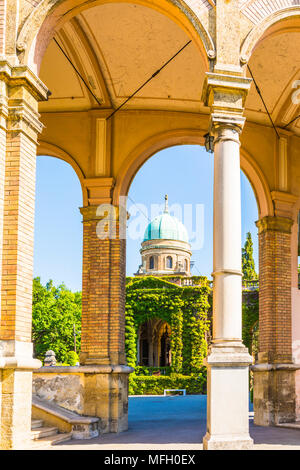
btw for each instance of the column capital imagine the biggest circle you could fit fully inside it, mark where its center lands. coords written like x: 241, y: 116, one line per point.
x: 22, y: 118
x: 226, y: 129
x: 99, y: 190
x: 284, y: 203
x: 20, y: 91
x: 226, y: 96
x: 107, y: 211
x: 275, y: 224
x: 93, y: 213
x: 89, y: 213
x: 21, y: 76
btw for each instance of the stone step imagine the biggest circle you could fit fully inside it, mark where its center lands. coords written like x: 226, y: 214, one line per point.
x: 292, y: 425
x: 82, y: 427
x: 44, y: 431
x: 49, y: 441
x: 37, y: 423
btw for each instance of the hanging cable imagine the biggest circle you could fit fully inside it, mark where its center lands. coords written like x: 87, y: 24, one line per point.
x: 293, y: 120
x: 149, y: 79
x: 195, y: 266
x: 146, y: 216
x: 78, y: 73
x: 263, y: 101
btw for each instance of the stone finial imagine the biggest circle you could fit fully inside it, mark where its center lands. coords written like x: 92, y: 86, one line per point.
x: 50, y: 359
x: 166, y: 204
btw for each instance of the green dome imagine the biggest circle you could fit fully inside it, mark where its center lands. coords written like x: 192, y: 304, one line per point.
x: 166, y: 227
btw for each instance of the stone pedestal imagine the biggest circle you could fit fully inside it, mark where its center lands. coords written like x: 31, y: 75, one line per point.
x: 96, y: 391
x: 274, y: 394
x: 228, y: 399
x: 106, y: 396
x: 16, y: 365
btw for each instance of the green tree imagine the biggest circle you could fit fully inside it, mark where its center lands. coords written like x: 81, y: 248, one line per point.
x: 54, y: 312
x: 248, y: 265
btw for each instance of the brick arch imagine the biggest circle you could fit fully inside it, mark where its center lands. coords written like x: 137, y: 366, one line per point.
x: 49, y: 15
x: 261, y: 28
x: 159, y: 142
x: 45, y: 148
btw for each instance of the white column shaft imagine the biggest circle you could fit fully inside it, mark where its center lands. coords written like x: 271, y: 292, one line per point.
x: 228, y: 359
x: 227, y: 303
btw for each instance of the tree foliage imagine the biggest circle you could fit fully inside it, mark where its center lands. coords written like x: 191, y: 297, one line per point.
x: 54, y: 312
x: 248, y: 265
x: 250, y: 314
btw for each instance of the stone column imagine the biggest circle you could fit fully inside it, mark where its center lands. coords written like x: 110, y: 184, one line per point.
x: 274, y: 373
x: 228, y: 359
x: 16, y: 362
x: 103, y: 311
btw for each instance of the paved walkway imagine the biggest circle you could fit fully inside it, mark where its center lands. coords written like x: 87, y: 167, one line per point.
x: 176, y: 423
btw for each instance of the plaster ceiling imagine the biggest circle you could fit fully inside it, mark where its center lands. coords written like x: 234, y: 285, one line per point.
x: 117, y: 47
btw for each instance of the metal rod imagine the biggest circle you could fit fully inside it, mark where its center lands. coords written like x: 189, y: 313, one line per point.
x: 78, y: 73
x: 149, y: 79
x: 263, y: 101
x: 293, y: 120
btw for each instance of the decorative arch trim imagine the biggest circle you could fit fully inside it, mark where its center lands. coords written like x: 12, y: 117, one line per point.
x: 256, y: 34
x: 39, y: 27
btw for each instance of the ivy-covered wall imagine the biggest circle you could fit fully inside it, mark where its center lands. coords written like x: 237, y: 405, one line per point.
x: 184, y: 308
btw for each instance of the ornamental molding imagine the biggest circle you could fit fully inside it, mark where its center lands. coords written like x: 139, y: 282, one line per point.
x: 257, y: 10
x: 274, y: 224
x: 21, y: 75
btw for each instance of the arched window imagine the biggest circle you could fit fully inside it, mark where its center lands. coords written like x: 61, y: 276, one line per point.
x: 169, y: 262
x: 151, y: 262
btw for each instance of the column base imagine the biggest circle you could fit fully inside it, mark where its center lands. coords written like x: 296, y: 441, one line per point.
x: 274, y: 395
x: 243, y: 442
x: 16, y: 366
x: 228, y: 398
x: 97, y: 390
x: 106, y: 397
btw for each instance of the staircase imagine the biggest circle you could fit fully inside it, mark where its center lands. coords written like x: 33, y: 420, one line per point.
x: 43, y: 435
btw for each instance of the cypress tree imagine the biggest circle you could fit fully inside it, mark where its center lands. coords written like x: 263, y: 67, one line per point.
x: 248, y: 265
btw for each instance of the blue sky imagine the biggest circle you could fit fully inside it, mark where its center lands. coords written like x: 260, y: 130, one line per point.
x: 185, y: 173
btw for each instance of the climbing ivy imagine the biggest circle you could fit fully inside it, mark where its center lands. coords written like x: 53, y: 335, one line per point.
x: 183, y: 308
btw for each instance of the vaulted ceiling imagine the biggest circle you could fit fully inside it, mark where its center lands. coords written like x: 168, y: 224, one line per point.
x: 116, y: 47
x: 275, y: 65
